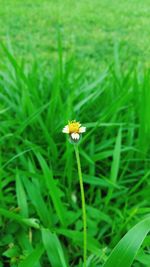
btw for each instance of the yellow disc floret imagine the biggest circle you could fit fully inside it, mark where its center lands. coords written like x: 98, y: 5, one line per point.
x: 74, y: 126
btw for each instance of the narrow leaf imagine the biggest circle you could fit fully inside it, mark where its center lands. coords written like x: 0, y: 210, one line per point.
x: 53, y: 249
x: 33, y: 258
x: 115, y: 164
x: 124, y: 253
x: 52, y: 188
x: 21, y: 197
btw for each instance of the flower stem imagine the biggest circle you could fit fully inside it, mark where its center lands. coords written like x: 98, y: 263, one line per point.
x: 83, y: 205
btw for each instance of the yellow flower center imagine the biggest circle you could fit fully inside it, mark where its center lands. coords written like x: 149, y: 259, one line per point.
x: 74, y: 127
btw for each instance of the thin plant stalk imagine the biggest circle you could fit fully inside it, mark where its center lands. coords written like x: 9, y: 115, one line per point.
x: 83, y: 205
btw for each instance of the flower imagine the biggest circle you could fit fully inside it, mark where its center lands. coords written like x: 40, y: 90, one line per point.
x: 74, y: 129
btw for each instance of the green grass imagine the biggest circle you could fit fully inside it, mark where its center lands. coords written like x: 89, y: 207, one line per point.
x: 86, y: 61
x: 41, y: 223
x: 90, y: 28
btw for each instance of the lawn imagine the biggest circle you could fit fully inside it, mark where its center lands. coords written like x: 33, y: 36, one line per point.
x: 86, y: 61
x: 89, y: 28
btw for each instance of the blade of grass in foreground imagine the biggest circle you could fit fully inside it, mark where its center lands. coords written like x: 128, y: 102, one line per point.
x: 33, y: 258
x: 36, y: 198
x: 115, y: 164
x: 53, y: 248
x: 31, y: 222
x: 124, y: 253
x: 21, y: 197
x: 52, y: 189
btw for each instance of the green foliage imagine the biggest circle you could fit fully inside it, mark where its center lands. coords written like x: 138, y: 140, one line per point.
x: 33, y: 258
x: 53, y: 249
x: 89, y: 29
x: 126, y: 250
x: 41, y: 223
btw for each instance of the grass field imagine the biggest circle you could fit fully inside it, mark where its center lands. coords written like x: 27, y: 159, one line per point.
x: 89, y: 28
x: 62, y: 61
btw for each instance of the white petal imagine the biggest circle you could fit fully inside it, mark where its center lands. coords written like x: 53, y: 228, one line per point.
x: 65, y: 129
x: 82, y: 129
x: 75, y: 136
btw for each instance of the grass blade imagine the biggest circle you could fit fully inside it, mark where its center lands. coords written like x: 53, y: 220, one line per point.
x: 53, y: 248
x: 21, y: 197
x: 115, y: 164
x: 52, y: 188
x: 33, y: 258
x: 127, y: 248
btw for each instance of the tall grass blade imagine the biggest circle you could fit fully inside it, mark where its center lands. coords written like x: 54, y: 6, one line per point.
x: 53, y: 248
x: 125, y: 251
x: 33, y: 259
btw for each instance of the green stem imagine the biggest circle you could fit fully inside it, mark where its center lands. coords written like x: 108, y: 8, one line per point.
x: 83, y: 205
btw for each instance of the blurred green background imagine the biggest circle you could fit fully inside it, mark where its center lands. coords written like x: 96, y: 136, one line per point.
x: 90, y: 28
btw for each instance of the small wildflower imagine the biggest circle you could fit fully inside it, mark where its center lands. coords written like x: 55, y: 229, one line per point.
x: 75, y: 130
